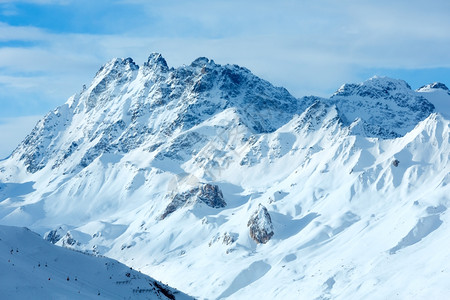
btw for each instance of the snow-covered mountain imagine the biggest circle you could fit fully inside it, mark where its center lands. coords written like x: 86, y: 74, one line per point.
x: 439, y: 95
x: 32, y: 268
x: 212, y: 180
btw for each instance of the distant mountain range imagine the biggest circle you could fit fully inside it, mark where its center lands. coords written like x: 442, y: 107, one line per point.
x: 214, y: 181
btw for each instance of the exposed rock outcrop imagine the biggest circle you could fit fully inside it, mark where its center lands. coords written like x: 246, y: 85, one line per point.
x: 68, y: 240
x: 53, y: 236
x: 395, y: 162
x: 207, y: 193
x: 260, y: 225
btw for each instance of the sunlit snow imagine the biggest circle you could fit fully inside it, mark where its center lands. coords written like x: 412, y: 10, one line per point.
x: 357, y: 186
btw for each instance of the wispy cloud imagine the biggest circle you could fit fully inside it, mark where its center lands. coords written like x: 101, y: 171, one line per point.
x: 308, y: 47
x: 60, y: 2
x: 50, y: 48
x: 13, y: 131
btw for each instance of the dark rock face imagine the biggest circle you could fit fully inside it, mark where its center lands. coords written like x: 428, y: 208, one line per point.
x: 439, y: 85
x: 68, y: 240
x: 207, y: 193
x: 52, y: 236
x: 260, y: 225
x: 121, y: 110
x: 192, y: 93
x: 229, y: 238
x: 55, y: 235
x: 155, y: 60
x: 211, y: 195
x: 386, y: 108
x: 34, y: 150
x: 373, y: 88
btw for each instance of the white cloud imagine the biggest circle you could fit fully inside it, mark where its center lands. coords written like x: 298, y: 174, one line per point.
x: 308, y: 47
x: 62, y: 2
x: 22, y: 33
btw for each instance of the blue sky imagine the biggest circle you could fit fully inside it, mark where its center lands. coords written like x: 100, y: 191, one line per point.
x: 50, y: 48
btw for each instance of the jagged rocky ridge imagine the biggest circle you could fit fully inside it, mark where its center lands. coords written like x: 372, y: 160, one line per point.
x: 142, y: 142
x: 154, y: 103
x: 386, y: 107
x: 208, y: 194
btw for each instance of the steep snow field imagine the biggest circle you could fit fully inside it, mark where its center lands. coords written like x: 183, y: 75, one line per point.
x: 221, y: 185
x: 32, y: 268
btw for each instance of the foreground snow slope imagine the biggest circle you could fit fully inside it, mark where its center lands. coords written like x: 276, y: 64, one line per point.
x: 35, y: 269
x: 224, y: 186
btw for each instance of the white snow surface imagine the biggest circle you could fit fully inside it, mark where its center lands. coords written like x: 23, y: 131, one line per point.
x: 348, y: 222
x: 32, y: 268
x: 439, y: 95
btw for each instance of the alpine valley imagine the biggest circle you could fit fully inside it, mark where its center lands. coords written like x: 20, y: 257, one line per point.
x: 215, y: 182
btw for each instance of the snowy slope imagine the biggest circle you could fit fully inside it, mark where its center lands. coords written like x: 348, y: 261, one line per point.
x: 35, y: 269
x: 224, y: 186
x: 439, y: 95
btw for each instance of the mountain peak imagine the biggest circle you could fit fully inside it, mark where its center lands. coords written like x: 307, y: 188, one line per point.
x: 433, y: 86
x: 156, y: 60
x: 206, y: 167
x: 116, y: 64
x: 382, y: 81
x: 375, y: 87
x: 386, y: 107
x: 202, y: 61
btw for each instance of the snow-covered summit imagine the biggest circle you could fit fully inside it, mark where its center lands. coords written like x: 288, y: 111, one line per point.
x: 438, y: 94
x: 127, y: 106
x: 375, y: 87
x: 433, y: 86
x: 202, y: 61
x: 157, y: 60
x: 386, y: 107
x: 219, y: 183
